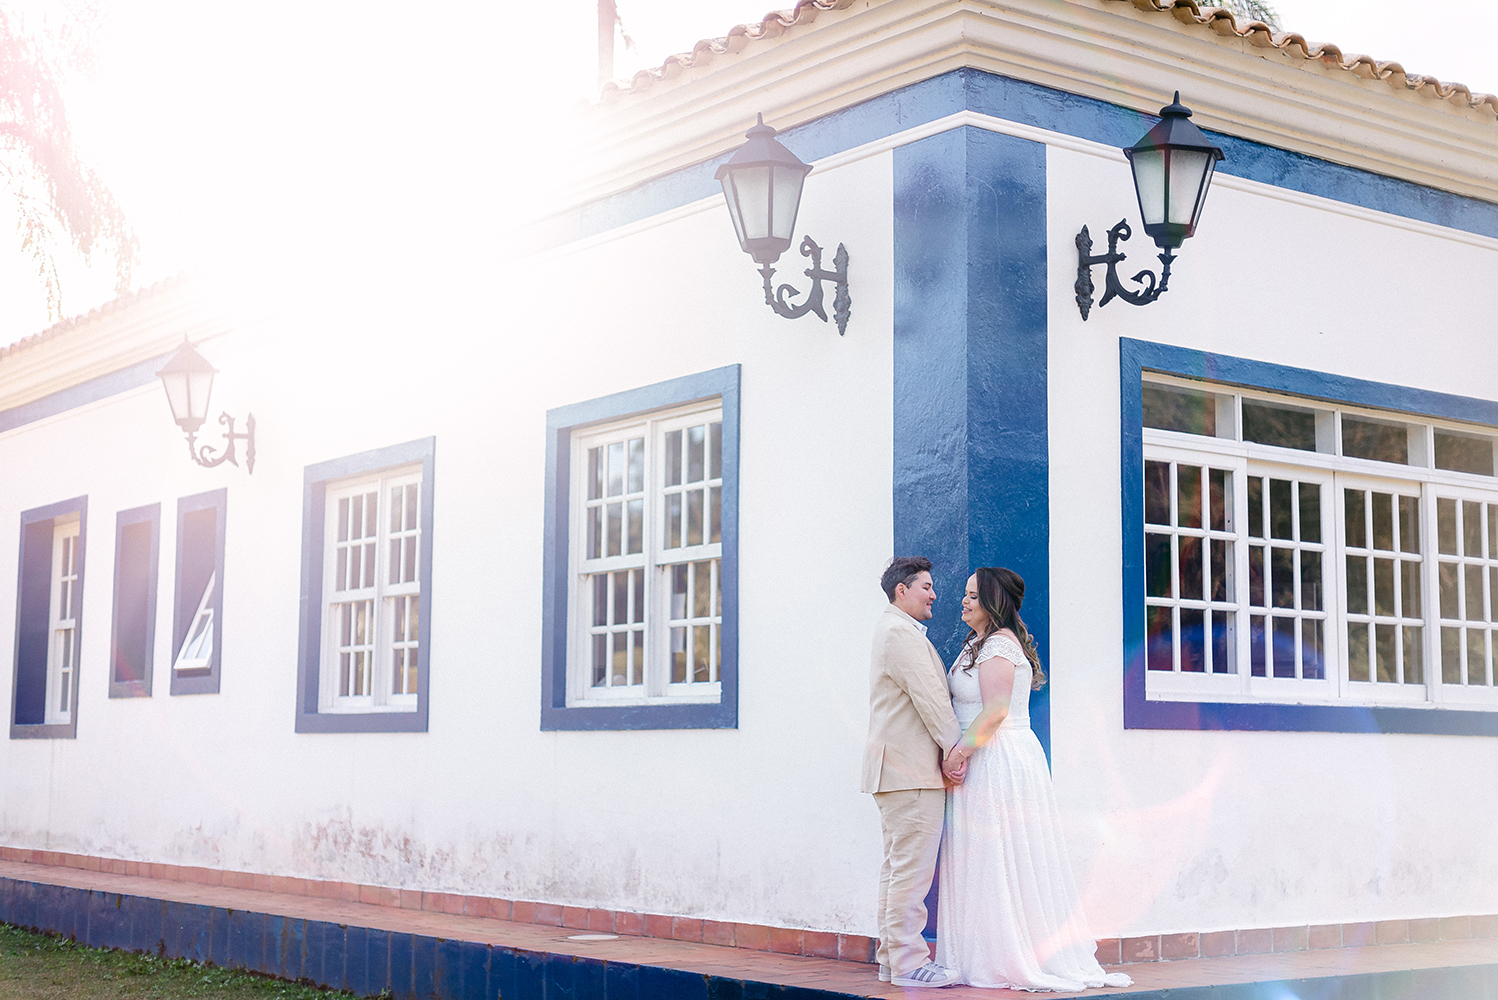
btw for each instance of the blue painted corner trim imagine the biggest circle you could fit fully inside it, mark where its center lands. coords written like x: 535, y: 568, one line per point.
x: 316, y: 479
x: 560, y: 424
x: 971, y: 446
x: 1136, y: 357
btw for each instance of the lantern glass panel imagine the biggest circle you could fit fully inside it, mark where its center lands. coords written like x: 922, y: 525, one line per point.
x: 1187, y: 170
x: 788, y: 181
x: 176, y: 395
x: 752, y: 186
x: 1201, y: 195
x: 734, y: 210
x: 1149, y: 182
x: 199, y: 385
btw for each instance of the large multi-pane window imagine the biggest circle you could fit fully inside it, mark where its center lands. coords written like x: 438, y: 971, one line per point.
x: 647, y: 551
x: 1299, y: 551
x: 372, y: 593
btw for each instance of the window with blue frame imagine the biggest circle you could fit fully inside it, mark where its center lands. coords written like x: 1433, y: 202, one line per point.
x: 366, y: 592
x: 132, y: 641
x: 198, y: 605
x: 1305, y: 551
x: 49, y: 620
x: 641, y: 534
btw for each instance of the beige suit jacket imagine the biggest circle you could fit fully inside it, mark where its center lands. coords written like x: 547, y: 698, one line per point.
x: 911, y: 724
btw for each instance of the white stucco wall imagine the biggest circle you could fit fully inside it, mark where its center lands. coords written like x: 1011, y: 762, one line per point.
x: 1170, y: 831
x: 1176, y: 831
x: 762, y: 823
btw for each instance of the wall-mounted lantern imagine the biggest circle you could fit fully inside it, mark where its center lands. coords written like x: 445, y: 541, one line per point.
x: 188, y: 379
x: 762, y: 184
x: 1173, y: 167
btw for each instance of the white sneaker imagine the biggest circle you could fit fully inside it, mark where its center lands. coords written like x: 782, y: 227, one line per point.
x: 884, y: 973
x: 929, y: 974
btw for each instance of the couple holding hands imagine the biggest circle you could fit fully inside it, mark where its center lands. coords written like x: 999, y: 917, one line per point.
x: 954, y: 767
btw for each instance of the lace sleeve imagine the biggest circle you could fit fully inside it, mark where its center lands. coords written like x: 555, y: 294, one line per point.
x: 1001, y: 645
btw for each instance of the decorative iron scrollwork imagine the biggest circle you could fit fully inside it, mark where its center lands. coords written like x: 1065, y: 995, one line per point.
x: 778, y: 298
x: 1113, y: 287
x: 204, y: 455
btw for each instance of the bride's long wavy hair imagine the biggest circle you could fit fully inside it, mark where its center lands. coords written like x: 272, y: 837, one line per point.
x: 1000, y: 594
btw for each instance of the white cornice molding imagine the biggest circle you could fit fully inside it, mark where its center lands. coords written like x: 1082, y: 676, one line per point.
x: 1108, y: 51
x: 115, y: 339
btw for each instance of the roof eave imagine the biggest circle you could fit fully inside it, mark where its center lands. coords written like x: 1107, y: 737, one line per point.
x: 1241, y: 81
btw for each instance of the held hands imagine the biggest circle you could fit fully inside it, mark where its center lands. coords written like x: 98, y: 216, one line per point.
x: 954, y: 767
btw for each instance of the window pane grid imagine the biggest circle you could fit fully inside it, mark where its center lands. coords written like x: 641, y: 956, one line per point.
x: 1383, y: 567
x: 618, y: 629
x: 695, y: 621
x: 1467, y: 579
x: 355, y: 648
x: 646, y: 608
x: 615, y: 506
x: 1191, y: 599
x: 63, y: 654
x: 374, y: 588
x: 1286, y: 578
x: 404, y: 535
x: 355, y: 551
x: 1336, y: 586
x: 692, y: 492
x: 404, y: 651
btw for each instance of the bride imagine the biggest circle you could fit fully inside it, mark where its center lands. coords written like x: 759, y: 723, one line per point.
x: 1010, y: 914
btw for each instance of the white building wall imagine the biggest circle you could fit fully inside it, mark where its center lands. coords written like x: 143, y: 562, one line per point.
x: 760, y: 824
x: 1178, y: 831
x: 1170, y: 830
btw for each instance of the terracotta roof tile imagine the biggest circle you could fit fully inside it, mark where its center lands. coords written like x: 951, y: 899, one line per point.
x: 1224, y: 22
x: 114, y: 305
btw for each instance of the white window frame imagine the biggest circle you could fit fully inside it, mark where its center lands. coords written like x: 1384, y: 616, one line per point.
x: 655, y: 562
x: 1335, y: 472
x: 1462, y: 694
x: 197, y: 645
x: 384, y: 597
x: 62, y: 622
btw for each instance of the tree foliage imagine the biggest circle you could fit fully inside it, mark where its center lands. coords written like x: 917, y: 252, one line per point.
x: 60, y: 200
x: 1254, y: 10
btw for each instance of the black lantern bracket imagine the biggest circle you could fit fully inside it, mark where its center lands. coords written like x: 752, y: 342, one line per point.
x: 1172, y: 166
x: 762, y: 184
x: 1113, y: 288
x: 779, y: 298
x: 188, y: 380
x: 204, y: 454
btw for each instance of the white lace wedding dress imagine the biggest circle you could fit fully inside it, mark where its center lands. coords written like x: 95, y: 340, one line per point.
x: 1010, y: 916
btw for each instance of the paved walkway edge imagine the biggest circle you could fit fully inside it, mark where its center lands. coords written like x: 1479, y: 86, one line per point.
x: 362, y: 960
x: 412, y: 966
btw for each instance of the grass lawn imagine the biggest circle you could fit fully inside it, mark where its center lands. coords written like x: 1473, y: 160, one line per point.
x: 37, y: 967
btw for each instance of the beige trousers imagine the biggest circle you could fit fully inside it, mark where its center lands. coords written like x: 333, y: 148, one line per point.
x: 911, y: 821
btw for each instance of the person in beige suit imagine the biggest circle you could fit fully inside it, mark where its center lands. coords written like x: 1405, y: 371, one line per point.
x: 912, y: 730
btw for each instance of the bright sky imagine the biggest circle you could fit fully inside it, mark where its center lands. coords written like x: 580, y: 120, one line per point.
x: 365, y: 146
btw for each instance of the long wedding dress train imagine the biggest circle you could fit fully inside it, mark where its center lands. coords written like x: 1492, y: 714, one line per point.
x: 1010, y: 914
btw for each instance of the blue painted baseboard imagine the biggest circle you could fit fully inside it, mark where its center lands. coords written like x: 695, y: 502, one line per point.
x: 367, y: 961
x: 363, y: 960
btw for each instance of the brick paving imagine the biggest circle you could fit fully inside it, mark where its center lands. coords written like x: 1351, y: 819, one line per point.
x: 850, y: 978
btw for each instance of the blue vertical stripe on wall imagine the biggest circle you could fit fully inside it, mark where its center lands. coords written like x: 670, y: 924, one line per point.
x: 971, y: 460
x: 930, y: 366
